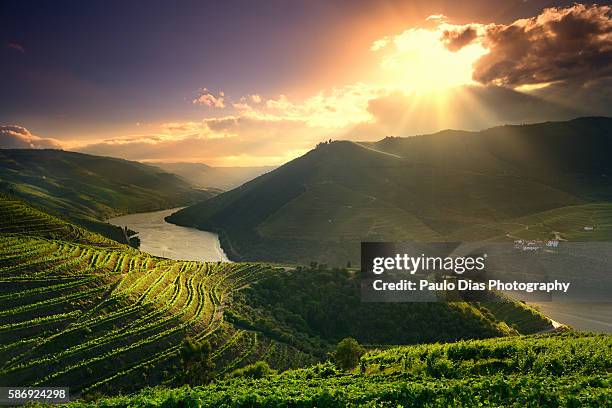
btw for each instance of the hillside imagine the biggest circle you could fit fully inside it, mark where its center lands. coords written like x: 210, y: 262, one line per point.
x: 19, y: 218
x: 561, y: 370
x: 204, y: 176
x: 89, y: 189
x: 451, y: 185
x: 109, y: 319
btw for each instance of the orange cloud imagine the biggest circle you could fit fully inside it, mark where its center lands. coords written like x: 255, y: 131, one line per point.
x: 222, y: 141
x: 454, y: 40
x: 18, y: 137
x: 205, y: 97
x: 436, y: 17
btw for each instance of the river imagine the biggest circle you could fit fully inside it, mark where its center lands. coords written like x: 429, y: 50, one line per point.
x: 596, y: 317
x: 161, y: 238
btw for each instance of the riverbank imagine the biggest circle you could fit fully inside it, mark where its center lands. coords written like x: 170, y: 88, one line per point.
x: 593, y: 317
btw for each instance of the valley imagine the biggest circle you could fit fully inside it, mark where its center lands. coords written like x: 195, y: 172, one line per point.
x: 106, y: 318
x: 88, y: 189
x: 81, y: 305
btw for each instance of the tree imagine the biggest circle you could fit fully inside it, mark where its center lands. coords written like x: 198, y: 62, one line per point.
x: 197, y: 362
x: 347, y: 353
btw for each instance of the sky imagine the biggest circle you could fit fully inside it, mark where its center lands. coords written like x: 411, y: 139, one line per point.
x: 243, y: 83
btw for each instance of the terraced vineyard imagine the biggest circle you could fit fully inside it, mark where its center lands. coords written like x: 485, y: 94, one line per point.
x: 18, y: 217
x: 98, y: 319
x: 79, y: 309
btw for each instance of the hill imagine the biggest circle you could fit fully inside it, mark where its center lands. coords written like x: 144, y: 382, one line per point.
x: 19, y: 218
x: 89, y: 189
x: 110, y: 319
x: 451, y: 185
x: 223, y: 178
x: 561, y: 370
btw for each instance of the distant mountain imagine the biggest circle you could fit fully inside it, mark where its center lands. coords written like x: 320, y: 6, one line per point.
x: 452, y: 185
x: 89, y: 189
x: 224, y: 178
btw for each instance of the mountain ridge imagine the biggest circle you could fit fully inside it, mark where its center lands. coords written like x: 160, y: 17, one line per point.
x: 203, y: 175
x: 320, y: 205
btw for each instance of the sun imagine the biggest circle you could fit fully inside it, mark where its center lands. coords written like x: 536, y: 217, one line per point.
x: 418, y: 61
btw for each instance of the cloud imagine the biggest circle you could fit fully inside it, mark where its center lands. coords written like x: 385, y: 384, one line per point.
x: 436, y: 17
x: 330, y: 109
x: 420, y: 59
x: 181, y: 128
x: 572, y: 44
x: 379, y: 44
x: 454, y: 40
x: 260, y: 131
x: 205, y: 97
x: 553, y: 66
x: 227, y: 141
x: 16, y: 46
x: 279, y: 129
x: 468, y: 107
x: 18, y: 137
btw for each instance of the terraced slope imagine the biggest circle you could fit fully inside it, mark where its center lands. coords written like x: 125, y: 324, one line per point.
x: 115, y: 319
x: 106, y: 318
x: 560, y: 370
x: 100, y: 319
x: 79, y: 309
x: 19, y: 218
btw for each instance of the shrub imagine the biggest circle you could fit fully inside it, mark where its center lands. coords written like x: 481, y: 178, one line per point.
x: 259, y: 369
x: 347, y: 353
x: 197, y: 362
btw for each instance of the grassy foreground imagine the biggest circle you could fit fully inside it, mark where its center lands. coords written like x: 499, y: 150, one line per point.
x: 564, y: 369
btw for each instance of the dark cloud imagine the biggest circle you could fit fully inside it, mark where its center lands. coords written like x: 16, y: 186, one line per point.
x: 571, y: 44
x: 454, y: 40
x: 18, y: 137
